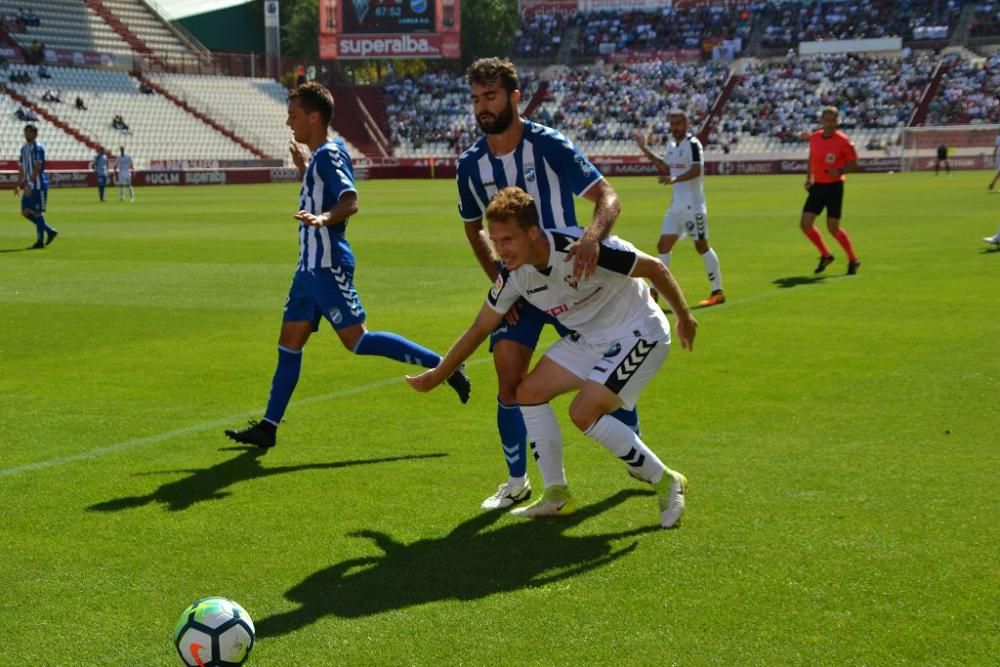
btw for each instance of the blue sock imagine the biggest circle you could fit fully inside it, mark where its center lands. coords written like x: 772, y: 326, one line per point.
x: 286, y: 376
x: 387, y: 344
x: 40, y: 223
x: 513, y: 438
x: 628, y: 417
x: 100, y: 191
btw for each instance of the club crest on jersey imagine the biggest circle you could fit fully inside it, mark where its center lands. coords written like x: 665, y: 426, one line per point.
x: 571, y: 281
x: 529, y: 173
x: 831, y: 158
x: 584, y: 165
x: 497, y: 286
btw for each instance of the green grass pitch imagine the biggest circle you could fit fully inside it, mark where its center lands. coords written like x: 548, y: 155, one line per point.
x: 840, y: 435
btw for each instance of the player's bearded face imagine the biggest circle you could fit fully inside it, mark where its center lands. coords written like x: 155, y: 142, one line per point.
x: 496, y: 123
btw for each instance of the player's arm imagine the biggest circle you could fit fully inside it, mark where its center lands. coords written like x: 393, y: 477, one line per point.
x: 487, y: 320
x: 345, y: 207
x: 655, y: 271
x: 584, y: 251
x: 481, y: 247
x: 661, y: 164
x: 689, y: 175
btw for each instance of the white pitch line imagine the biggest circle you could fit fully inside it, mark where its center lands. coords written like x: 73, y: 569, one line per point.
x: 194, y: 428
x: 216, y: 423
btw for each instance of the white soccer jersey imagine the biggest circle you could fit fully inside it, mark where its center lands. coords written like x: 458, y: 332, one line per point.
x: 604, y: 309
x: 680, y: 157
x: 124, y: 165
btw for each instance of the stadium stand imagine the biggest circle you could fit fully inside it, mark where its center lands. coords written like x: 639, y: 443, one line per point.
x: 67, y: 24
x: 150, y: 28
x: 58, y: 144
x: 790, y: 22
x: 986, y: 20
x: 253, y: 108
x: 599, y: 108
x: 606, y: 32
x: 778, y: 99
x: 968, y: 93
x: 539, y: 36
x: 158, y: 129
x: 430, y: 114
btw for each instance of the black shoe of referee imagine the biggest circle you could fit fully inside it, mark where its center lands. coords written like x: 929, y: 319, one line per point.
x: 823, y: 263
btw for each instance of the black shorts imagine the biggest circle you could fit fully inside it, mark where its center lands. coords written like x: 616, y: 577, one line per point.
x: 942, y: 154
x: 825, y: 195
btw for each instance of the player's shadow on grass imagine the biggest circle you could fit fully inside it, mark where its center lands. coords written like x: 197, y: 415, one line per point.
x: 991, y: 249
x: 796, y: 281
x: 211, y: 483
x: 465, y: 564
x: 6, y: 250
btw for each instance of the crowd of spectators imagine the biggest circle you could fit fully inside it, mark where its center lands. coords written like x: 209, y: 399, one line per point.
x: 985, y: 20
x: 432, y: 111
x: 539, y: 36
x: 26, y: 115
x: 777, y: 100
x: 669, y: 28
x: 969, y: 93
x: 608, y: 104
x: 793, y: 21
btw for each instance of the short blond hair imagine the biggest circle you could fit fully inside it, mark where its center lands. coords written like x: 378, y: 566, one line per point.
x: 834, y: 110
x: 515, y: 204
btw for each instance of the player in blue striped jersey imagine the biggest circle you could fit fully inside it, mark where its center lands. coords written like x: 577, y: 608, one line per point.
x: 544, y: 163
x: 34, y: 185
x: 100, y: 165
x: 323, y: 285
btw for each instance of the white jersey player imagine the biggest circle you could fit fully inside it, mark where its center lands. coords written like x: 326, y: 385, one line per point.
x: 619, y: 340
x: 683, y: 168
x: 123, y: 174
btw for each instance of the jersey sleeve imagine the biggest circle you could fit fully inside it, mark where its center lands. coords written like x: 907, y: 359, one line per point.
x: 335, y: 173
x: 697, y: 155
x: 39, y: 152
x: 570, y: 163
x: 850, y: 152
x: 503, y: 295
x: 471, y: 205
x: 617, y: 256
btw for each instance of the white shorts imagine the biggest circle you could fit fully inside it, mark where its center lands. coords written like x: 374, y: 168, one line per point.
x: 684, y: 222
x: 125, y: 180
x: 625, y: 368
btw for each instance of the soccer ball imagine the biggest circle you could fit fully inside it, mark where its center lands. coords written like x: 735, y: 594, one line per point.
x: 214, y: 632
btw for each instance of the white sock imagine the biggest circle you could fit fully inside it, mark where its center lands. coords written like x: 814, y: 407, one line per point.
x: 626, y: 445
x: 545, y: 441
x: 517, y: 482
x: 665, y: 258
x: 712, y: 268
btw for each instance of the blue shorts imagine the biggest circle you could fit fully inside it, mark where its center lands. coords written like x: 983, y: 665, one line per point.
x: 528, y: 328
x: 35, y: 201
x: 102, y: 181
x: 325, y: 293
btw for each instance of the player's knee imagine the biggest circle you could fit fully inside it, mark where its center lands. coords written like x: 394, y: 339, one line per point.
x: 664, y: 246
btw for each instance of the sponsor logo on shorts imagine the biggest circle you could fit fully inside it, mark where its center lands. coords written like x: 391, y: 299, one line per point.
x: 613, y: 350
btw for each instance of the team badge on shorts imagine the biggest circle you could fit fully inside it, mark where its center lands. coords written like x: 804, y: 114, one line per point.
x: 336, y: 316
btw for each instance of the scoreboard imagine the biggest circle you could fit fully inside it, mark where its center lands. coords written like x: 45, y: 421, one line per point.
x: 356, y: 29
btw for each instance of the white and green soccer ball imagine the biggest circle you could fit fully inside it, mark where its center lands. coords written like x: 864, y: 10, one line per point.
x: 214, y: 632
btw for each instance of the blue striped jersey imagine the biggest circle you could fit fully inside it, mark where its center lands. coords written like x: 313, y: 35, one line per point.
x: 329, y: 175
x: 101, y: 165
x: 545, y: 164
x: 32, y: 154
